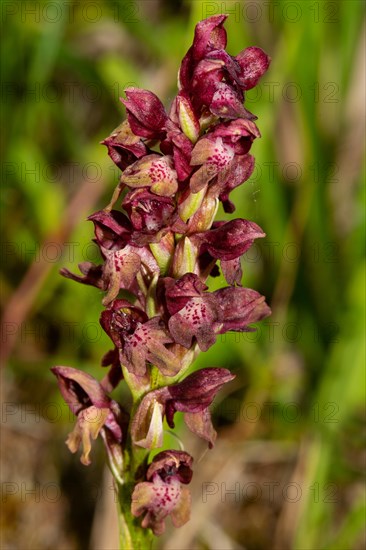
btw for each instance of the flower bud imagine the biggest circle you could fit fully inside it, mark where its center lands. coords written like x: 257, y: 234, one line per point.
x: 163, y: 252
x: 205, y: 215
x: 185, y: 258
x: 187, y: 119
x: 147, y: 425
x: 191, y: 203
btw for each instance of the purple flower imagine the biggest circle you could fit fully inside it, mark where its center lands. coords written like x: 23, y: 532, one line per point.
x: 113, y: 230
x: 196, y: 314
x: 225, y: 241
x: 123, y: 258
x: 213, y: 79
x: 162, y: 494
x: 96, y: 413
x: 147, y: 211
x: 213, y: 156
x: 209, y: 35
x: 240, y: 307
x: 124, y: 147
x: 153, y: 171
x: 140, y: 340
x: 119, y: 271
x: 146, y: 113
x: 236, y: 173
x: 253, y: 62
x: 192, y: 396
x: 229, y: 240
x: 223, y: 159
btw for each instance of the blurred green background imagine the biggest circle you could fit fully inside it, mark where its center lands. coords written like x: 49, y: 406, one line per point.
x: 288, y: 469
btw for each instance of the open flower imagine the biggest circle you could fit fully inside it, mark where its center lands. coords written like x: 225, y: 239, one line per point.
x: 123, y: 257
x: 227, y: 242
x: 240, y: 307
x: 192, y: 396
x: 96, y: 414
x: 153, y: 171
x: 124, y: 147
x: 162, y: 494
x: 147, y: 211
x: 140, y: 340
x: 196, y: 314
x: 113, y: 230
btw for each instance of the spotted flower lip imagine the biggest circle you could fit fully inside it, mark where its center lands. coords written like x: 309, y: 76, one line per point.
x: 197, y: 314
x: 162, y: 494
x: 140, y: 340
x: 220, y: 153
x: 96, y: 412
x: 194, y: 313
x: 153, y: 171
x: 178, y: 292
x: 192, y: 396
x: 236, y: 173
x: 119, y: 271
x: 238, y: 133
x: 213, y: 156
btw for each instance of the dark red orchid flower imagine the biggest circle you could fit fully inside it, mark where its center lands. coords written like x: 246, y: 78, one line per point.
x: 124, y: 147
x: 197, y: 314
x: 192, y: 396
x: 146, y: 113
x: 140, y: 340
x: 96, y: 414
x: 162, y: 493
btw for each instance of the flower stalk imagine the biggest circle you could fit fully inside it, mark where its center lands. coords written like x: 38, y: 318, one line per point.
x: 160, y: 244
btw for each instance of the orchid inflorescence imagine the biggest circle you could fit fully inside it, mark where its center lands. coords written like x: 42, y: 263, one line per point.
x: 157, y: 256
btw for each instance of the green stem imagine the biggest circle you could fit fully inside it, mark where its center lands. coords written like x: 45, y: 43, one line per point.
x: 131, y: 535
